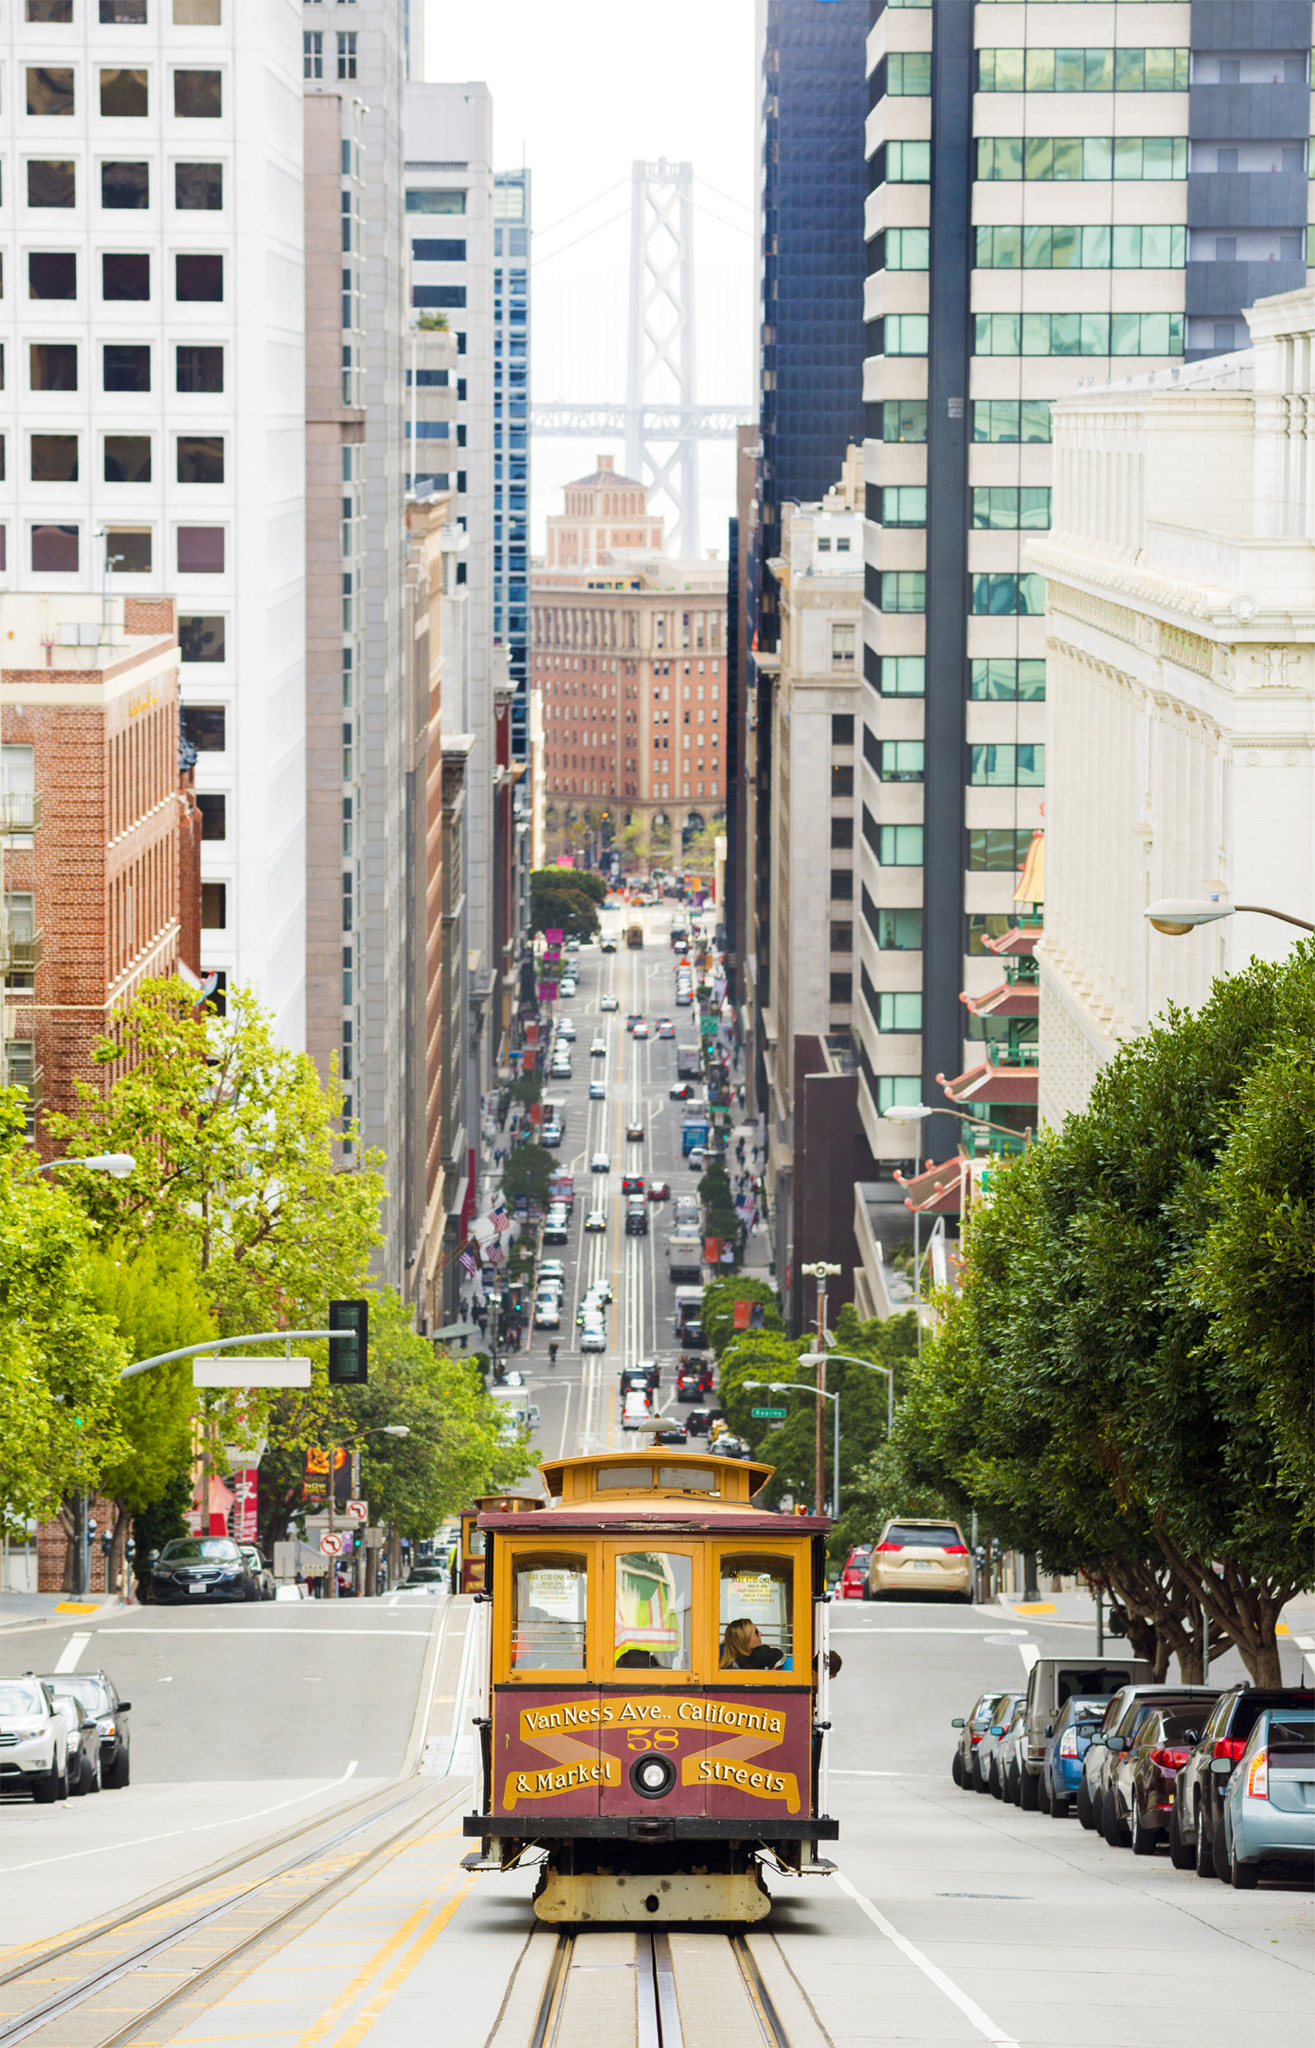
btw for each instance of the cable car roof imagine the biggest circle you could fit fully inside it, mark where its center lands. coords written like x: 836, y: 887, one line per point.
x: 609, y: 1488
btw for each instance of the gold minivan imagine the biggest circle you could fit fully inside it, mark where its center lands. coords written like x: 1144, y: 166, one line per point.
x: 913, y: 1555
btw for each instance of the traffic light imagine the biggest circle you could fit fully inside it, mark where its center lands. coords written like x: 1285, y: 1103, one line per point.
x: 349, y: 1350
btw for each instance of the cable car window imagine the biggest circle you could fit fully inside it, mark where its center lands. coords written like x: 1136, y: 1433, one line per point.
x: 756, y: 1614
x: 627, y: 1476
x: 653, y: 1600
x: 700, y: 1480
x: 548, y: 1607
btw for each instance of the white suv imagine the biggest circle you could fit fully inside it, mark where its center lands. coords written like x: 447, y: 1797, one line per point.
x: 34, y: 1737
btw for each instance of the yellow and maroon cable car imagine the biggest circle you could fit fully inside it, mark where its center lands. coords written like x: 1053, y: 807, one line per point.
x: 655, y: 1683
x: 468, y: 1564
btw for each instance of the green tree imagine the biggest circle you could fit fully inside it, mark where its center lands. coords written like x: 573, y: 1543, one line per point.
x: 526, y: 1172
x: 566, y: 900
x: 719, y: 1299
x: 153, y: 1297
x: 158, y: 1524
x: 59, y: 1358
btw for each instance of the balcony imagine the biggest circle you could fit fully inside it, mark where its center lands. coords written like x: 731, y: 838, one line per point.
x: 20, y: 951
x: 20, y: 811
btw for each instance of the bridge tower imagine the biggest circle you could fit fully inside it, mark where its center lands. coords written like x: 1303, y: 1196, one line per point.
x: 663, y: 453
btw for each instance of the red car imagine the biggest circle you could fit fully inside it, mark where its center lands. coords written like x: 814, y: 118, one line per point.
x: 854, y: 1578
x: 659, y: 1191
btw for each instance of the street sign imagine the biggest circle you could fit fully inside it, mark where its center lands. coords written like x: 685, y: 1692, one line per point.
x: 768, y: 1414
x: 227, y: 1371
x: 331, y: 1545
x: 359, y: 1510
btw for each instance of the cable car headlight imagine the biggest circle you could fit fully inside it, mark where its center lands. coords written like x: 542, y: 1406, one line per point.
x: 652, y: 1775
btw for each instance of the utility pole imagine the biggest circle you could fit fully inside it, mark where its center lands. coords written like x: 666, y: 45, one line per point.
x: 821, y: 1272
x: 333, y: 1556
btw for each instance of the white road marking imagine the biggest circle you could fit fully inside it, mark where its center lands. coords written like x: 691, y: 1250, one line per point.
x: 186, y: 1628
x: 984, y: 1635
x: 1029, y: 1652
x: 172, y: 1834
x: 971, y: 2011
x: 72, y: 1650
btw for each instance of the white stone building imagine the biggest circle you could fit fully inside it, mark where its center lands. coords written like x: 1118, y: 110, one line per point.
x: 152, y: 408
x: 1180, y: 714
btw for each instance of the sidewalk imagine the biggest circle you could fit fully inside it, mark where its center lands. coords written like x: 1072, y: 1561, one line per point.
x: 20, y: 1610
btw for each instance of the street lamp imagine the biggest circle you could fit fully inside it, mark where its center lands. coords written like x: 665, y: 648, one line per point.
x: 1176, y: 915
x: 117, y: 1164
x: 802, y: 1387
x: 848, y: 1358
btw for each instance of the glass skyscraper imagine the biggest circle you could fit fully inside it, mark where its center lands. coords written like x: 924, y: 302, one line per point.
x: 511, y: 439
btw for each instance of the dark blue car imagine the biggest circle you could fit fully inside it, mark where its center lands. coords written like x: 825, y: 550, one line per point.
x: 1066, y: 1745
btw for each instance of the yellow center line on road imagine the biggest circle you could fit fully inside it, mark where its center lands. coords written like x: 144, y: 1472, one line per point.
x: 398, y: 1976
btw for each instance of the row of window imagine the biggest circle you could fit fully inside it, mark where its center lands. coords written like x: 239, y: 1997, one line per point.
x: 1038, y: 334
x: 125, y: 274
x: 995, y: 594
x: 56, y: 550
x: 55, y: 458
x: 991, y: 678
x: 1044, y: 248
x: 993, y: 419
x: 1063, y: 158
x: 128, y: 13
x: 124, y: 187
x: 1099, y: 70
x: 312, y: 54
x: 125, y: 366
x: 995, y: 507
x: 991, y: 850
x: 1011, y: 766
x: 124, y: 93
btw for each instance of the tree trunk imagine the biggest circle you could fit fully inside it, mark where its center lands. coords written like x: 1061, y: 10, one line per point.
x: 1244, y: 1609
x: 114, y: 1572
x: 68, y: 1524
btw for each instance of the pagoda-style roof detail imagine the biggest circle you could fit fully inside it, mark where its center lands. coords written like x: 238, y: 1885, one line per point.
x: 990, y: 1083
x: 1019, y: 939
x: 937, y: 1190
x: 1011, y: 999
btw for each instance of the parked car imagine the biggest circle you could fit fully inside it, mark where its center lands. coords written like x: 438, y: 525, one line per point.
x: 1050, y: 1682
x: 1007, y: 1781
x: 566, y: 987
x: 697, y: 1158
x: 260, y: 1571
x: 552, y: 1133
x: 987, y: 1774
x: 34, y: 1740
x: 971, y: 1731
x: 853, y: 1581
x: 913, y: 1556
x: 556, y: 1227
x: 200, y: 1568
x: 1061, y: 1768
x: 1164, y: 1742
x: 609, y: 1002
x: 96, y: 1695
x: 83, y: 1746
x: 683, y: 1091
x: 552, y: 1269
x: 1105, y: 1776
x: 1269, y: 1798
x: 1196, y: 1827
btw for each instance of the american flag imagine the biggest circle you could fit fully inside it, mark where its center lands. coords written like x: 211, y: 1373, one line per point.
x: 499, y: 1218
x: 469, y: 1261
x: 495, y: 1255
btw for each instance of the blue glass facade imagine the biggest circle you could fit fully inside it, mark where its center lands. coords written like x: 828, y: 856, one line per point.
x: 511, y: 439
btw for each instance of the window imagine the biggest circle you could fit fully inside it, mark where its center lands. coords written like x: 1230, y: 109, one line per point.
x: 1078, y: 334
x: 842, y: 940
x: 842, y: 988
x: 198, y: 95
x: 901, y: 761
x: 54, y: 458
x: 902, y: 249
x: 452, y: 296
x: 125, y: 366
x: 904, y: 505
x: 312, y: 53
x: 123, y: 13
x: 843, y: 644
x: 55, y: 550
x: 899, y: 931
x: 200, y: 637
x: 124, y: 95
x: 549, y: 1605
x: 898, y: 1091
x: 128, y: 550
x: 214, y: 906
x: 903, y: 675
x: 200, y: 550
x: 997, y: 852
x: 127, y: 458
x: 1100, y: 70
x: 1011, y: 419
x: 198, y: 188
x: 899, y: 1010
x: 1012, y: 507
x: 51, y: 182
x: 900, y: 846
x: 49, y: 92
x: 1082, y: 248
x: 49, y: 10
x: 903, y: 163
x: 904, y: 419
x: 756, y: 1598
x: 52, y: 274
x: 1062, y: 158
x: 1007, y: 767
x: 1009, y: 596
x: 903, y: 334
x: 653, y: 1611
x: 124, y: 276
x: 200, y: 458
x: 214, y: 820
x: 421, y: 201
x: 903, y: 590
x: 1005, y: 679
x: 204, y: 726
x: 842, y: 885
x: 125, y: 187
x: 198, y: 368
x: 983, y: 925
x: 53, y: 366
x: 197, y: 13
x: 842, y: 728
x: 909, y: 73
x: 842, y: 832
x: 430, y: 250
x: 347, y: 54
x: 198, y: 279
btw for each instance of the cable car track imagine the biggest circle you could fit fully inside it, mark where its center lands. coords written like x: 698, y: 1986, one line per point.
x: 559, y: 2022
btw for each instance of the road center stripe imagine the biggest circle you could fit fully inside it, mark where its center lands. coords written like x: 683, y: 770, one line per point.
x: 971, y: 2011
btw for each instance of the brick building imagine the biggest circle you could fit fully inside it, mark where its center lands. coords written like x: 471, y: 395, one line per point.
x: 101, y: 850
x: 629, y: 661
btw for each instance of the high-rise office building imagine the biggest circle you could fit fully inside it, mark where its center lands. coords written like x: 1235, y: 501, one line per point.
x: 153, y: 411
x: 1051, y: 204
x: 511, y: 440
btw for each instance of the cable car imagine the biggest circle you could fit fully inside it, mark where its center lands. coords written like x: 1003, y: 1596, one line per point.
x: 654, y: 1678
x: 468, y: 1564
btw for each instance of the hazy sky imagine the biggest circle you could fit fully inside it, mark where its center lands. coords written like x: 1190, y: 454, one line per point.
x: 580, y: 90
